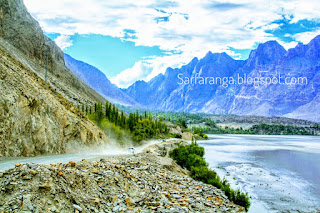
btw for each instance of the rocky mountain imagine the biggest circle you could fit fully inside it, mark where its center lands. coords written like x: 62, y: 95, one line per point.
x: 38, y: 117
x: 268, y: 63
x: 98, y: 81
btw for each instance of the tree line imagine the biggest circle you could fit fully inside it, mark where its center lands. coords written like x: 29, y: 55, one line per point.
x: 139, y: 126
x: 261, y: 129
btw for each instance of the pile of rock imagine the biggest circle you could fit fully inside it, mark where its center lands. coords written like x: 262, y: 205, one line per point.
x: 134, y: 184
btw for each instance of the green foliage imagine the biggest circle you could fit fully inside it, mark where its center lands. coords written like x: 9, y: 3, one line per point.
x: 191, y: 157
x: 137, y: 126
x: 176, y: 117
x: 182, y: 123
x: 182, y: 119
x: 175, y: 135
x: 199, y: 131
x: 111, y: 130
x: 262, y: 129
x: 206, y: 175
x: 98, y: 113
x: 144, y: 128
x: 280, y: 129
x: 210, y: 123
x: 208, y: 126
x: 188, y: 156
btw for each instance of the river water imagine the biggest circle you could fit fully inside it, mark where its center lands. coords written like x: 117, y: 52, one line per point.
x: 280, y: 173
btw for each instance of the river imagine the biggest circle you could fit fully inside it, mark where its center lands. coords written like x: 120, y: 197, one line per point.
x: 280, y: 173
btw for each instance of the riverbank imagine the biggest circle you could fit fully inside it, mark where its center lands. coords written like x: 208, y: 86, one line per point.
x: 280, y: 173
x: 145, y: 182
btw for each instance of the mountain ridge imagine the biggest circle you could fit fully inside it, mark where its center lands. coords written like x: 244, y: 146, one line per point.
x: 97, y: 80
x: 269, y: 59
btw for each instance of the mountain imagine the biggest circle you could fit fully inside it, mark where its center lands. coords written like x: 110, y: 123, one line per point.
x: 171, y: 92
x: 38, y: 117
x: 99, y: 82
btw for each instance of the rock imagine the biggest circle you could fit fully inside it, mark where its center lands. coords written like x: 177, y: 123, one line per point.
x: 77, y: 207
x: 114, y: 199
x: 96, y: 200
x: 109, y: 172
x: 153, y: 208
x: 45, y: 186
x: 116, y: 209
x: 86, y: 191
x: 71, y: 163
x: 176, y: 196
x: 128, y: 202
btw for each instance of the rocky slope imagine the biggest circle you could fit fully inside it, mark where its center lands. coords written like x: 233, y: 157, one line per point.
x: 269, y: 60
x: 38, y: 117
x: 142, y: 183
x: 99, y: 82
x: 22, y: 37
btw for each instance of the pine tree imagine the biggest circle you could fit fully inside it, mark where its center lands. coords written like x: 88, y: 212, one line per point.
x: 137, y: 116
x: 113, y: 117
x: 98, y: 113
x: 117, y: 116
x: 131, y: 121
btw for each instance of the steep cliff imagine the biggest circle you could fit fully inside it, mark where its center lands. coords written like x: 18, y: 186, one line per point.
x: 38, y: 117
x: 24, y: 39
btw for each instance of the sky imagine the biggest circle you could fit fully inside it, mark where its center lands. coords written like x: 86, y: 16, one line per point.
x: 137, y: 40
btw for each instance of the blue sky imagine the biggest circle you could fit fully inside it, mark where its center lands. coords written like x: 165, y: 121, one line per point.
x: 110, y: 55
x: 136, y: 40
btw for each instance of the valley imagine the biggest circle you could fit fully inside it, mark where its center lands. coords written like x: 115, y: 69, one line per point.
x: 72, y: 140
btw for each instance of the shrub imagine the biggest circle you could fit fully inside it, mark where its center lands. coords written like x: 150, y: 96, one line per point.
x: 199, y: 131
x: 175, y: 135
x: 191, y: 158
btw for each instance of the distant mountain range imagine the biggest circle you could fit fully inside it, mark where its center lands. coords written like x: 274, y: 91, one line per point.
x: 99, y: 82
x: 269, y: 62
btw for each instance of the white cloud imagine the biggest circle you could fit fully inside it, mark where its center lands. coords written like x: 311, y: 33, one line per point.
x: 306, y: 37
x: 308, y: 9
x: 63, y: 41
x: 194, y: 27
x: 129, y: 76
x: 289, y: 45
x: 149, y: 68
